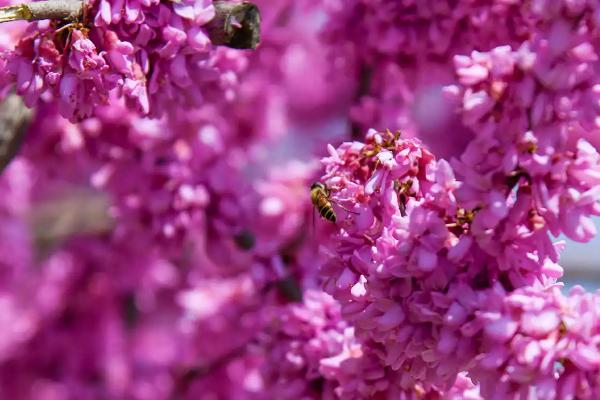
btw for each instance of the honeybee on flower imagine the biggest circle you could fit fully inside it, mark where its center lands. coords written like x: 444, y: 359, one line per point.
x: 320, y: 197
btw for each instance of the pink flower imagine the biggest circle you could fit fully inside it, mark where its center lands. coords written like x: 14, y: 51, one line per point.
x: 115, y: 57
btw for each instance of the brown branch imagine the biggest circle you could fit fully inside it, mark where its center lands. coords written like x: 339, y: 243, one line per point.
x: 69, y: 10
x: 235, y: 25
x: 14, y: 119
x: 75, y: 211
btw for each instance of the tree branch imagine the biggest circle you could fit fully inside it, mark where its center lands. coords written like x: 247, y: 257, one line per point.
x: 14, y: 119
x: 184, y: 378
x: 236, y: 24
x: 75, y: 211
x: 70, y: 10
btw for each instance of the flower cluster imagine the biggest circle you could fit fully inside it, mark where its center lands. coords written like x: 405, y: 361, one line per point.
x: 157, y: 56
x: 426, y: 272
x: 537, y: 337
x: 533, y: 134
x: 401, y: 53
x: 182, y: 253
x: 394, y: 260
x: 313, y: 353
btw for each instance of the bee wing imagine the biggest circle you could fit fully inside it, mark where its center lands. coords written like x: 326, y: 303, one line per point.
x: 313, y: 227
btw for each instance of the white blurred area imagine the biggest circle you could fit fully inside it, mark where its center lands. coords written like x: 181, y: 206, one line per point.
x: 581, y: 262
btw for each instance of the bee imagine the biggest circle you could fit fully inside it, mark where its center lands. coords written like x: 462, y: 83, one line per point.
x: 403, y: 191
x: 319, y: 195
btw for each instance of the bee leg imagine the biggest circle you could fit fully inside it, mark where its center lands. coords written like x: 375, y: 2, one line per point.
x: 343, y: 208
x: 67, y: 26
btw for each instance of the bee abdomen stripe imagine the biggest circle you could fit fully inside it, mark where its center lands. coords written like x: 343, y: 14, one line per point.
x: 330, y: 215
x: 327, y: 213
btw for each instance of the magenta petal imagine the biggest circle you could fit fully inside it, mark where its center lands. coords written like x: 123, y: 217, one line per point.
x: 501, y: 329
x: 427, y: 260
x: 391, y: 318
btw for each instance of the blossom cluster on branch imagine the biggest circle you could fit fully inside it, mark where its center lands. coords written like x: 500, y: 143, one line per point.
x: 447, y: 279
x: 157, y: 56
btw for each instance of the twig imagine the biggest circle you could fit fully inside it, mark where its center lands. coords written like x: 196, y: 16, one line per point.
x: 184, y: 378
x: 14, y: 119
x: 76, y: 211
x: 236, y: 24
x: 71, y: 10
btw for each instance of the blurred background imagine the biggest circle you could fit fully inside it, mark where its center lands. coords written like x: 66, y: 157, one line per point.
x: 580, y: 261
